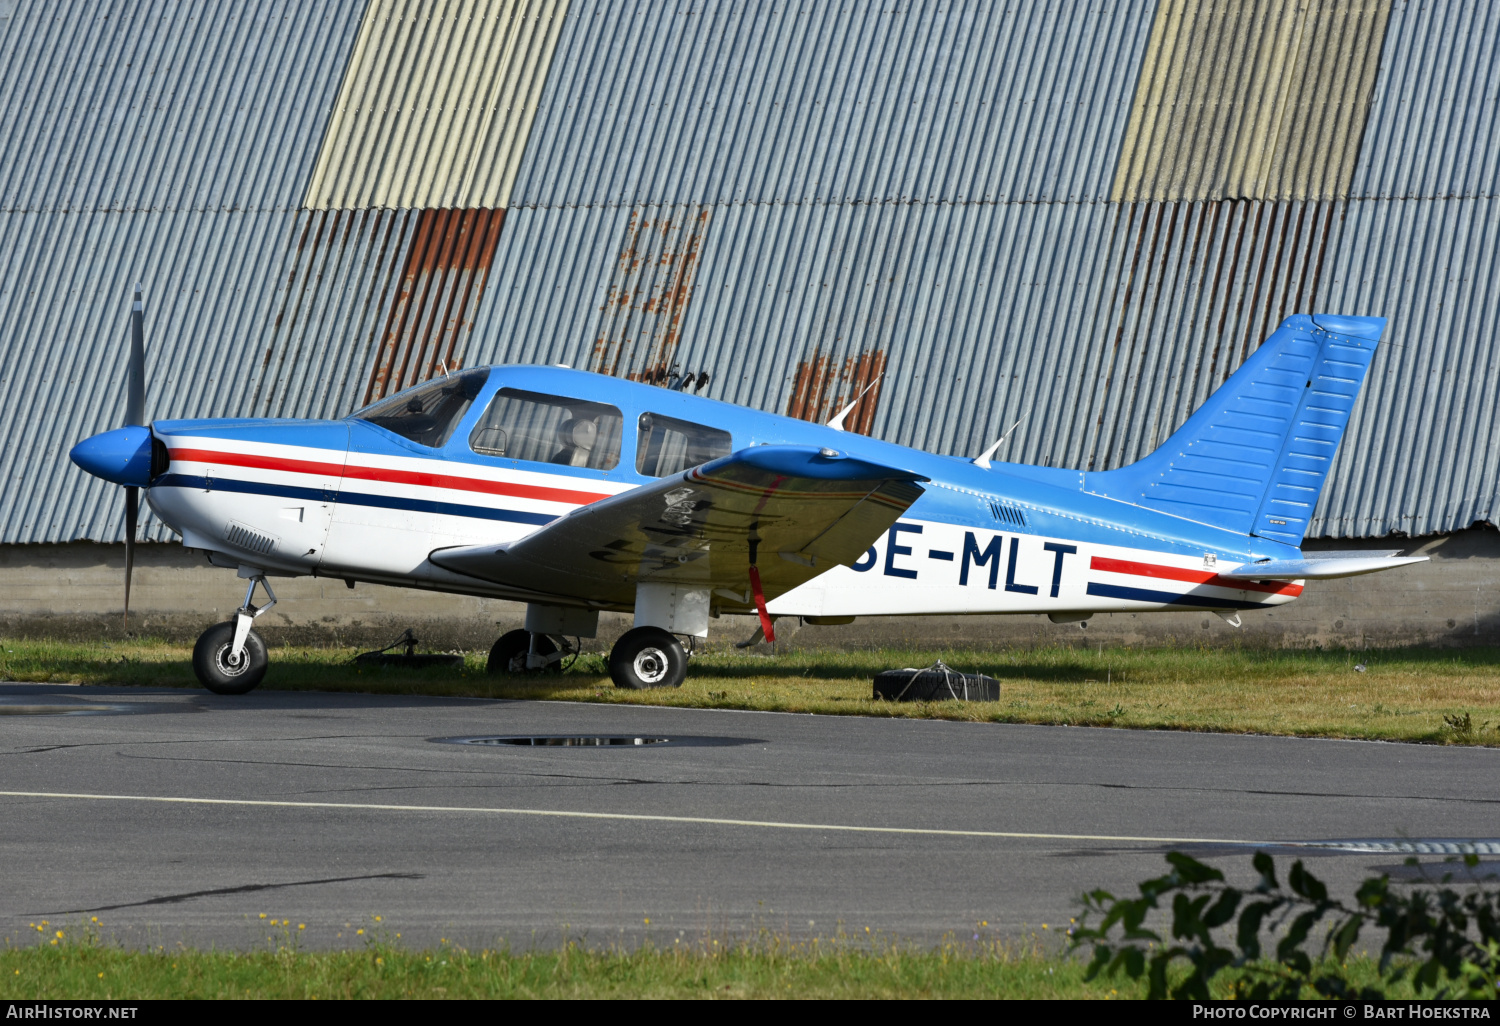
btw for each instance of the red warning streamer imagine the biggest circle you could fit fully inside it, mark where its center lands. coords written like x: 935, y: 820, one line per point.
x: 760, y: 603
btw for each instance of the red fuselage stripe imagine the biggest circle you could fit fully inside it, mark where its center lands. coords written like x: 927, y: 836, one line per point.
x: 1175, y: 573
x: 408, y: 477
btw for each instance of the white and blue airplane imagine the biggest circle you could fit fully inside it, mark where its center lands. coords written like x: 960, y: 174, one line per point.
x: 575, y: 493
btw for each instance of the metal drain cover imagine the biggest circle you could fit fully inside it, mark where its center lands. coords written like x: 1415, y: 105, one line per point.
x: 1448, y: 846
x: 558, y: 741
x: 1407, y: 845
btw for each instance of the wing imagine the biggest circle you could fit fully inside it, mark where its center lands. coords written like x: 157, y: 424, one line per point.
x: 794, y: 511
x: 1324, y: 566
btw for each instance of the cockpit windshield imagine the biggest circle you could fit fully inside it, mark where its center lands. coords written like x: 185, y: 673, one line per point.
x: 428, y: 413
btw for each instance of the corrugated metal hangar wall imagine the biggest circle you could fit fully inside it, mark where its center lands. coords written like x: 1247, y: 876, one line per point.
x: 1082, y: 216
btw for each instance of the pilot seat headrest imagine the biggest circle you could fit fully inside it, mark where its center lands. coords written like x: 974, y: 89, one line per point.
x: 578, y: 433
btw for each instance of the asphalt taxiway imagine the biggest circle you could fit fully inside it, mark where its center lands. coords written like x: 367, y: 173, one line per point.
x: 182, y: 817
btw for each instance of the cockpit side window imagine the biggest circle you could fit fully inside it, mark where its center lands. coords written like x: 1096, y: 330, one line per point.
x: 666, y: 445
x: 549, y: 429
x: 428, y: 413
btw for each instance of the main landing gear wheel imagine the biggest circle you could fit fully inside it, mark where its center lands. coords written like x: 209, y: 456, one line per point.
x: 509, y: 653
x: 648, y: 657
x: 216, y: 668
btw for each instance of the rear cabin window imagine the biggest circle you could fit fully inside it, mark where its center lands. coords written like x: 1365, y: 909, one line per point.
x: 428, y: 413
x: 549, y: 429
x: 666, y: 445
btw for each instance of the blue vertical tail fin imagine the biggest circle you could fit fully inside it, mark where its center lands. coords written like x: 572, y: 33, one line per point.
x: 1253, y: 458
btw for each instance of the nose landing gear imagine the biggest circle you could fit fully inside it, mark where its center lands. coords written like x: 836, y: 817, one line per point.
x: 230, y: 658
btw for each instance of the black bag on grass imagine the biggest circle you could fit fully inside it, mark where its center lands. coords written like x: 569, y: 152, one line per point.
x: 937, y: 683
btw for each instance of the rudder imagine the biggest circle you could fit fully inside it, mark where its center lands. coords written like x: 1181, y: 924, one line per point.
x: 1254, y: 457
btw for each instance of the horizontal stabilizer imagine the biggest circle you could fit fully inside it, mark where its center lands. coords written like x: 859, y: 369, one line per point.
x: 795, y: 511
x: 1324, y: 566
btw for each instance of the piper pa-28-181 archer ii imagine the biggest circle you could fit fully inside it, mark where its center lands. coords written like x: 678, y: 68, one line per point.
x: 575, y: 492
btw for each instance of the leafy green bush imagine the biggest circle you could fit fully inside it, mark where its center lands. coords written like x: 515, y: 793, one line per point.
x: 1446, y: 943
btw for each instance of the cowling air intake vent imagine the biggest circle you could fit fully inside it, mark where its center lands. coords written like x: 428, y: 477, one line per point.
x: 243, y: 537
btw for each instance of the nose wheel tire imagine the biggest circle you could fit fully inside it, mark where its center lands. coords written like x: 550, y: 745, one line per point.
x: 648, y: 657
x: 509, y: 653
x: 217, y: 670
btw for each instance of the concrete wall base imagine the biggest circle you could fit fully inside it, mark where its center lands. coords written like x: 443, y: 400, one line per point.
x: 76, y: 592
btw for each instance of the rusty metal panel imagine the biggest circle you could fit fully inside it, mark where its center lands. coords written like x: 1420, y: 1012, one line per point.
x: 822, y: 389
x: 655, y: 274
x: 660, y: 103
x: 1251, y: 99
x: 340, y: 274
x: 165, y: 105
x: 959, y: 314
x: 547, y: 286
x: 436, y: 104
x: 432, y: 311
x: 1434, y: 128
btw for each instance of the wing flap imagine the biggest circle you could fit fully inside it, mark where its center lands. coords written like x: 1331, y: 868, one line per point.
x: 794, y: 511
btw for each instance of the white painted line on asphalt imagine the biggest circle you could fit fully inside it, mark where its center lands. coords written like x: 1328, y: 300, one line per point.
x: 626, y: 816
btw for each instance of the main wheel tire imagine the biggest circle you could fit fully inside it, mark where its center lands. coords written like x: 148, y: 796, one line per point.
x: 508, y: 655
x: 219, y: 673
x: 648, y: 657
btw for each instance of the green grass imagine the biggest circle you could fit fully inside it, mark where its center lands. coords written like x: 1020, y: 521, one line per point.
x: 1418, y: 695
x: 73, y: 964
x: 78, y: 966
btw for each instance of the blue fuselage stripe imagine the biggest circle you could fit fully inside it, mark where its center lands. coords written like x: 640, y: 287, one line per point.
x: 452, y: 509
x: 220, y: 484
x: 1172, y: 598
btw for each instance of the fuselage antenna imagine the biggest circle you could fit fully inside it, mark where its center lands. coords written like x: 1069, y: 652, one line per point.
x: 983, y: 459
x: 837, y: 422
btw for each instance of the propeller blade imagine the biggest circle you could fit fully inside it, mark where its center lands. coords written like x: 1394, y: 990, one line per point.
x: 132, y: 513
x: 135, y: 416
x: 135, y: 389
